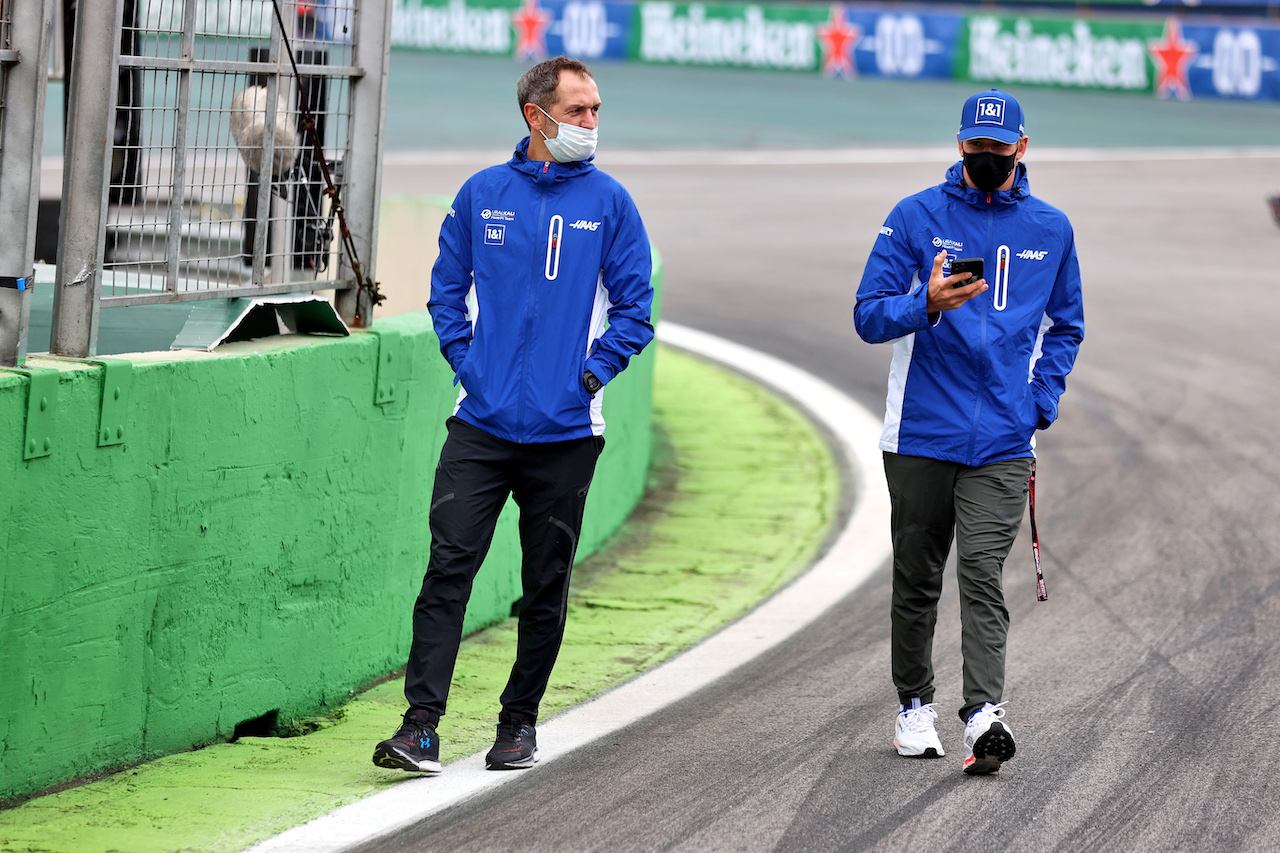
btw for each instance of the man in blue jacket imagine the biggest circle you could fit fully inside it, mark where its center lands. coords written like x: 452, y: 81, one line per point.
x: 561, y: 301
x: 978, y: 366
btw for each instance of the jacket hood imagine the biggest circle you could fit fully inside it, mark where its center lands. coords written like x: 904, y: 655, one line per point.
x: 551, y: 169
x: 955, y: 185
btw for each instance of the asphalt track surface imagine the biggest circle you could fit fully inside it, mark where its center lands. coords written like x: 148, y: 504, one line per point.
x: 1144, y: 694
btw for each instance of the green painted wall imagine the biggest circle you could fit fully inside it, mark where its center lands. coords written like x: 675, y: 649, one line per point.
x: 255, y: 545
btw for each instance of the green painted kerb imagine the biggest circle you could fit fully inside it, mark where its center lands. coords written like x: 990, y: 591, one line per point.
x: 249, y: 552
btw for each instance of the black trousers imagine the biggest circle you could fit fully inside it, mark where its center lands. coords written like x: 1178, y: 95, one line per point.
x: 476, y: 473
x: 932, y: 502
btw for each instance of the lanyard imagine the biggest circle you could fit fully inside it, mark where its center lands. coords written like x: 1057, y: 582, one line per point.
x: 1041, y: 593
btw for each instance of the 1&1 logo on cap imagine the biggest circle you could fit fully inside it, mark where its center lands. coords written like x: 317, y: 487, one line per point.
x: 990, y: 111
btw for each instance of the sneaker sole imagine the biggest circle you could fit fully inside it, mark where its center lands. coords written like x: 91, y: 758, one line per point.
x: 393, y: 759
x: 522, y: 764
x: 992, y: 749
x: 929, y: 752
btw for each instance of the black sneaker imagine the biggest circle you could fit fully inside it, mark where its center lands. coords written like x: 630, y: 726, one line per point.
x: 414, y: 747
x: 516, y: 746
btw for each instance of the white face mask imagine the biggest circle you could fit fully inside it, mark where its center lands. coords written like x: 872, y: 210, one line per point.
x: 572, y: 143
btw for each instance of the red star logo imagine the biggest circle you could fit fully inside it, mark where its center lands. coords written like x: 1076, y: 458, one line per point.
x: 1172, y: 57
x: 838, y: 38
x: 531, y: 30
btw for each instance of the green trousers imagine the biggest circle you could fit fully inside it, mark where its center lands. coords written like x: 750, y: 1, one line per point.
x: 933, y: 501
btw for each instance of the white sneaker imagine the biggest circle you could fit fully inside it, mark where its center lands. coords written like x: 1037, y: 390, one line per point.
x: 914, y: 734
x: 988, y: 743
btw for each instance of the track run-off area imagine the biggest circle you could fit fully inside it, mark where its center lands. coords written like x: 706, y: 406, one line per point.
x: 1145, y: 692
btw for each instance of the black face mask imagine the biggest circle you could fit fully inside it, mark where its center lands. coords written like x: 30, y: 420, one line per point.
x: 989, y: 170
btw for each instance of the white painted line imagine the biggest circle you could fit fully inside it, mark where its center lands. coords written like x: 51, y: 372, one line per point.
x: 608, y: 157
x: 861, y: 548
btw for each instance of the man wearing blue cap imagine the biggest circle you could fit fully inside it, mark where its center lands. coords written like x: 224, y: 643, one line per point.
x: 980, y: 360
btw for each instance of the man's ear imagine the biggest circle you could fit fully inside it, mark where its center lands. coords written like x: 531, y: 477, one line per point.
x: 1022, y: 147
x: 533, y: 117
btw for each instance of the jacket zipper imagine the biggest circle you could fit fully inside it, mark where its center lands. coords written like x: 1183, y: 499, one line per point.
x: 530, y: 299
x: 982, y: 340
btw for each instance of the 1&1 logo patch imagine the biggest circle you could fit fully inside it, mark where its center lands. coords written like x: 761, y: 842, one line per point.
x: 990, y: 111
x: 494, y: 234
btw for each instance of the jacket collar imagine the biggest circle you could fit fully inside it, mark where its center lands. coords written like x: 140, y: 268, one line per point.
x: 956, y: 186
x: 548, y: 171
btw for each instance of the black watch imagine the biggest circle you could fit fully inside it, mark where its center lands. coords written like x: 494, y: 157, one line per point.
x: 591, y: 383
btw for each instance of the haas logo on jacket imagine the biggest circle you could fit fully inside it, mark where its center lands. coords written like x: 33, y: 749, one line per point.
x: 584, y: 224
x: 1031, y: 254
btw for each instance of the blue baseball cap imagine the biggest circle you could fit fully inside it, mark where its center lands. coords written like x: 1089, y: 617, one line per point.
x: 991, y: 115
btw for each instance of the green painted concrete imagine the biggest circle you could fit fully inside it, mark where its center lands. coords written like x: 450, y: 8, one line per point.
x: 249, y: 550
x: 743, y: 491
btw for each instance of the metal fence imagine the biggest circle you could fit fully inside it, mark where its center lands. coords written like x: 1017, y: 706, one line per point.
x: 211, y: 186
x: 214, y: 185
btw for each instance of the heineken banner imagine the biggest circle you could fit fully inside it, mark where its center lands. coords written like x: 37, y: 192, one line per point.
x: 837, y: 40
x: 1089, y: 55
x: 1166, y: 57
x: 331, y: 20
x: 1158, y: 54
x: 532, y: 29
x: 778, y: 37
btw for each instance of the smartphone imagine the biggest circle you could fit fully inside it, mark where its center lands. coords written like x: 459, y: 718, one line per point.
x: 973, y: 265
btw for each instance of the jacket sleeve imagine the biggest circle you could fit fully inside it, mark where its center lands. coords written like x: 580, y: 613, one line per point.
x: 892, y: 299
x: 627, y: 274
x: 1064, y: 315
x: 451, y: 282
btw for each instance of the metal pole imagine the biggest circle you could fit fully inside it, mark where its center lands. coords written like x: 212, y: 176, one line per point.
x: 362, y: 181
x: 178, y: 192
x: 21, y: 137
x: 90, y: 137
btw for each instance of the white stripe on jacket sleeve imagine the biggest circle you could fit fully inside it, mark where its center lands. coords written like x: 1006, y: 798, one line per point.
x: 898, y: 369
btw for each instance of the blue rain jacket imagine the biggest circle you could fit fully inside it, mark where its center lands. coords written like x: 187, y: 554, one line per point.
x: 561, y: 266
x: 974, y: 384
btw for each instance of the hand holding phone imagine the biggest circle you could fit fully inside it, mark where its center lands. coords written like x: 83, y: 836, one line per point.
x: 963, y: 265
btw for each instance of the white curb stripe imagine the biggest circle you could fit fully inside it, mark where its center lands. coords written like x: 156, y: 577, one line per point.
x: 838, y: 156
x: 861, y: 548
